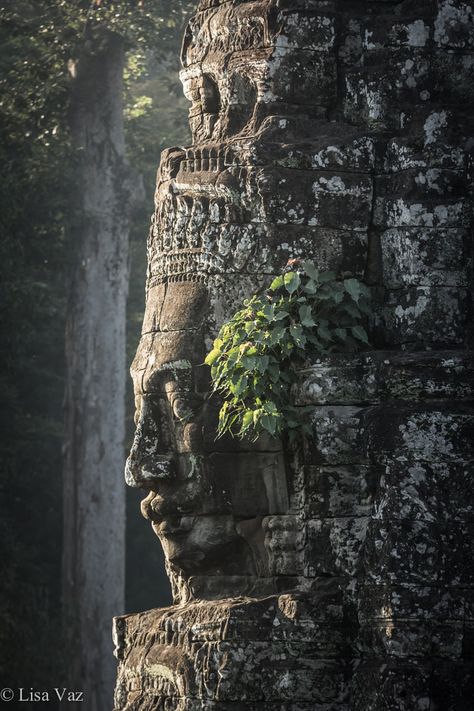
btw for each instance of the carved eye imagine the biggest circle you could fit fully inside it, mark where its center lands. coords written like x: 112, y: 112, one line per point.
x: 181, y: 409
x: 209, y: 92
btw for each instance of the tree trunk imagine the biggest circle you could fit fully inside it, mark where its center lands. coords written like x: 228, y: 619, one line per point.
x: 94, y: 499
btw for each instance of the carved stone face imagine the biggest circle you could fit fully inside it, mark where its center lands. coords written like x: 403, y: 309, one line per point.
x: 230, y: 210
x: 206, y: 498
x: 305, y: 143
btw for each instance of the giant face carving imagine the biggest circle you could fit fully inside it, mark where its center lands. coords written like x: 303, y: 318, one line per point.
x: 226, y: 218
x: 206, y: 499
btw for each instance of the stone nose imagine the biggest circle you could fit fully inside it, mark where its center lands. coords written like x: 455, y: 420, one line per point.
x: 148, y: 463
x: 147, y: 473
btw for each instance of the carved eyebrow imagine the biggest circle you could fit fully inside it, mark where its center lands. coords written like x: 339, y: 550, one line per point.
x: 198, y: 400
x: 173, y: 365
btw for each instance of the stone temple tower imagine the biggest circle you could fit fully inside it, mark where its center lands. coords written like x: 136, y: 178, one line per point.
x: 338, y: 577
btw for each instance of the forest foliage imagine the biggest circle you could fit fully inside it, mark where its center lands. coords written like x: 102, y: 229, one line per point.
x: 38, y: 41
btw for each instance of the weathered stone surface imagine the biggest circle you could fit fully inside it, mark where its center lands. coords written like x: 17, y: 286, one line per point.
x: 336, y: 438
x: 278, y: 649
x: 392, y: 685
x: 416, y: 639
x: 452, y: 684
x: 336, y: 574
x: 425, y: 433
x: 379, y: 376
x: 413, y: 603
x: 419, y: 552
x: 338, y: 491
x: 426, y: 258
x: 334, y: 546
x: 427, y: 491
x: 414, y: 317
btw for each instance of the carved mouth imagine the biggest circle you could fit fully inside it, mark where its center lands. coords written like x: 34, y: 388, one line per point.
x: 150, y: 509
x: 174, y: 526
x: 166, y: 519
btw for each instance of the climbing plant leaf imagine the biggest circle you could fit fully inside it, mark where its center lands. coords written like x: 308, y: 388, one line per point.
x: 256, y: 356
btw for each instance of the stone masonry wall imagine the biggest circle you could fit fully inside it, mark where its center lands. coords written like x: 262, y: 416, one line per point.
x: 337, y: 576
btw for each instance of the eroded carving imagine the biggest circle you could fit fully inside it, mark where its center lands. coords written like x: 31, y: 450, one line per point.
x: 334, y: 132
x: 229, y: 214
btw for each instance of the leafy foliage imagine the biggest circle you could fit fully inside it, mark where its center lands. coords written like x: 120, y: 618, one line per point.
x: 34, y: 190
x: 257, y: 354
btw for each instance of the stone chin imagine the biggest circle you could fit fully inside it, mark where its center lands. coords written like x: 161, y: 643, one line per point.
x: 209, y: 545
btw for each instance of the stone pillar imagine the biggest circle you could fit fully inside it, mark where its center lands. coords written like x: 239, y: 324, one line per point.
x: 337, y: 577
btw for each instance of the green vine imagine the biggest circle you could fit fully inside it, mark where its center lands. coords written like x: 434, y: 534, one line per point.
x: 257, y: 354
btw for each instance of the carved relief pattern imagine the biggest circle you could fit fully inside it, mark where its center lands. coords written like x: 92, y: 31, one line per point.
x: 338, y: 577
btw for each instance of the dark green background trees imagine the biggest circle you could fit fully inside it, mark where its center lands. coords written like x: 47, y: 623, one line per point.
x: 36, y: 181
